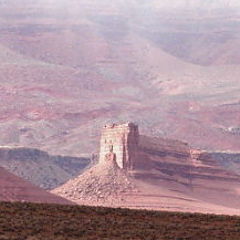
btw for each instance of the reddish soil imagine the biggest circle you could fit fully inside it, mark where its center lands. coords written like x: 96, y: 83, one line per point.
x: 15, y: 189
x: 67, y: 68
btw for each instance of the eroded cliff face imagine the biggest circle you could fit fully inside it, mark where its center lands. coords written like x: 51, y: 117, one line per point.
x: 40, y: 168
x: 163, y: 174
x: 228, y: 160
x: 175, y: 165
x: 178, y: 159
x: 122, y: 139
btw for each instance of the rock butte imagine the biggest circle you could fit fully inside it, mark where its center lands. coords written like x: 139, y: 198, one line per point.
x: 136, y: 171
x: 123, y: 141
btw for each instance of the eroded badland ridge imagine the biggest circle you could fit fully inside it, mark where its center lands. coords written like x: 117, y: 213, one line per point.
x: 141, y: 172
x: 68, y: 67
x: 40, y: 168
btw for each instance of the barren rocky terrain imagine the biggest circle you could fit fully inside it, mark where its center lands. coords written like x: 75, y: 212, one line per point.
x: 40, y: 168
x: 68, y: 67
x: 166, y: 175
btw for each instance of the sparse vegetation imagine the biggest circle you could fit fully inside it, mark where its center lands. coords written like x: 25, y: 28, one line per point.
x: 21, y: 221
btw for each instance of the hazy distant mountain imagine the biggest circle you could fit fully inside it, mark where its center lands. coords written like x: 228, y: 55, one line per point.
x: 68, y: 67
x: 211, y: 4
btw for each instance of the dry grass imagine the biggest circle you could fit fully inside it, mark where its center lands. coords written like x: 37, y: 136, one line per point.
x: 21, y: 221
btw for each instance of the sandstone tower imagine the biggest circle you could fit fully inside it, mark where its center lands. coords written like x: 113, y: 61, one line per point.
x: 121, y: 140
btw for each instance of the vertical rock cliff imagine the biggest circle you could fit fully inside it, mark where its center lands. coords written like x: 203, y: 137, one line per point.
x: 142, y: 172
x: 123, y: 141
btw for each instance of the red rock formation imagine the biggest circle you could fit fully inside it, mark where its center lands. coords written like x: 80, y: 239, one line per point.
x: 165, y: 174
x: 123, y: 139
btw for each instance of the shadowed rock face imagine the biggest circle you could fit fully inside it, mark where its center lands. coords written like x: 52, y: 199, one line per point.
x: 13, y: 188
x: 201, y: 174
x: 40, y: 168
x: 165, y: 174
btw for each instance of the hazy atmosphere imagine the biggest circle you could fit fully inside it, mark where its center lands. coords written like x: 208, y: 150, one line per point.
x: 130, y: 104
x: 68, y: 67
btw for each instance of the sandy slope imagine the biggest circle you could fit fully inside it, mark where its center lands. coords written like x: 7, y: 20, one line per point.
x: 13, y: 188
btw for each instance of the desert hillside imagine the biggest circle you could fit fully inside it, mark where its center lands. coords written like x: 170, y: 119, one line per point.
x: 15, y: 189
x: 67, y: 67
x: 40, y: 168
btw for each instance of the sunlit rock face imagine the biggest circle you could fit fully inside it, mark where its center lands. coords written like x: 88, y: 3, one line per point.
x: 122, y: 140
x: 155, y: 173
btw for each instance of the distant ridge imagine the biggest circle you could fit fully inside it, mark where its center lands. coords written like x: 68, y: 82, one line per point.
x: 40, y: 168
x: 15, y: 189
x: 172, y: 73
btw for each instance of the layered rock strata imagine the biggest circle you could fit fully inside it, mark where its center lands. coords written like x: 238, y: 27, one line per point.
x: 154, y: 173
x: 123, y: 140
x: 40, y: 168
